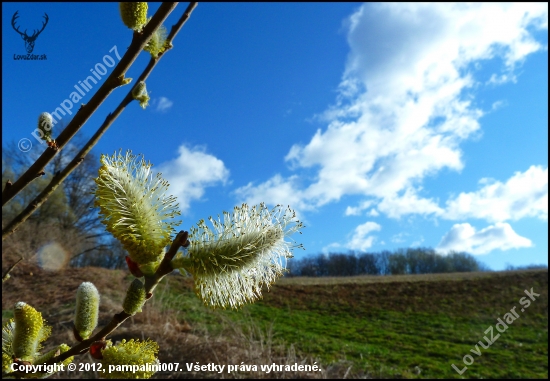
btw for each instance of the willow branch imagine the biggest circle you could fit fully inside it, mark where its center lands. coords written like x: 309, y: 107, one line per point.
x: 61, y: 176
x: 150, y: 283
x: 83, y: 114
x: 176, y: 27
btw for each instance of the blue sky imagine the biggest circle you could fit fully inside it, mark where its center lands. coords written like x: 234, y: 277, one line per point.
x: 382, y: 125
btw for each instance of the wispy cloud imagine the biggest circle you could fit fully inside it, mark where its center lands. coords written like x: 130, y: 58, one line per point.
x: 164, y: 104
x: 191, y: 172
x: 464, y: 237
x: 357, y: 210
x: 399, y: 238
x: 408, y: 203
x: 333, y: 247
x: 276, y: 190
x: 361, y: 239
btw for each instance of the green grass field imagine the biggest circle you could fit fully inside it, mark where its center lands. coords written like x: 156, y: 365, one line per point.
x: 378, y: 327
x: 408, y: 326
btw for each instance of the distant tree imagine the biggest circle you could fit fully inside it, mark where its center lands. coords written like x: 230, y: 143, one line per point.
x: 322, y: 265
x: 384, y: 262
x: 110, y: 254
x: 462, y: 262
x: 308, y: 267
x: 368, y: 264
x: 342, y: 264
x: 417, y: 261
x: 398, y: 263
x: 510, y: 267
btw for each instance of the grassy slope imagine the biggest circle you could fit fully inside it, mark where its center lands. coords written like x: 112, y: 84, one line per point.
x: 383, y: 326
x: 430, y: 324
x: 400, y: 326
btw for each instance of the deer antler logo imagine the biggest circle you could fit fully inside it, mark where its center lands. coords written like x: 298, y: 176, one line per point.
x: 29, y: 40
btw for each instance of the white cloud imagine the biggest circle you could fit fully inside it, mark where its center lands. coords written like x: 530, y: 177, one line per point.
x: 404, y: 107
x: 497, y: 105
x: 331, y: 248
x: 399, y: 238
x: 408, y: 203
x: 357, y: 210
x: 525, y: 194
x: 276, y: 190
x: 191, y: 172
x: 164, y: 104
x: 361, y: 240
x: 463, y: 237
x: 373, y: 213
x: 501, y: 79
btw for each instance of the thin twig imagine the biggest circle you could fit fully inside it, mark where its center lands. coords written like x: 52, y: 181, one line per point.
x: 88, y: 250
x: 176, y: 28
x: 84, y: 113
x: 6, y: 276
x: 61, y: 176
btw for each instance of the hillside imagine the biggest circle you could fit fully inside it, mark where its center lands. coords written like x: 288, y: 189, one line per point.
x: 404, y: 326
x: 416, y: 325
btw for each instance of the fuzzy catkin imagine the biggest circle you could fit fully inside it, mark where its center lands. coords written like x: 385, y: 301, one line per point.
x: 45, y: 125
x: 134, y: 15
x: 157, y: 43
x: 143, y: 354
x: 87, y: 309
x: 134, y: 206
x: 28, y: 331
x: 135, y: 297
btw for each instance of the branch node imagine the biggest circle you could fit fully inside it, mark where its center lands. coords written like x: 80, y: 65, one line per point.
x: 121, y: 81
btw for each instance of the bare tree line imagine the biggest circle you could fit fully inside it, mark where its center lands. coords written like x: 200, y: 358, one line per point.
x: 401, y: 261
